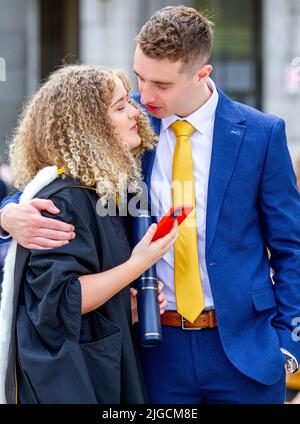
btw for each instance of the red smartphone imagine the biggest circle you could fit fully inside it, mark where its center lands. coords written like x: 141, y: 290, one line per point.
x: 165, y: 225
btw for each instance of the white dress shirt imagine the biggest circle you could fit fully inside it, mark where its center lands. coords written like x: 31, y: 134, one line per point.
x: 161, y: 188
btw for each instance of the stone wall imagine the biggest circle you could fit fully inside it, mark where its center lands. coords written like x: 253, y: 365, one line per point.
x: 281, y: 67
x: 19, y: 49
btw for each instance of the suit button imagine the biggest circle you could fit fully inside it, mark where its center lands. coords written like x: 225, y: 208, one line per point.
x: 212, y: 263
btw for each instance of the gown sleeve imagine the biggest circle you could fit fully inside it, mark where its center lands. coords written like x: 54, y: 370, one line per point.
x: 53, y: 292
x: 49, y: 320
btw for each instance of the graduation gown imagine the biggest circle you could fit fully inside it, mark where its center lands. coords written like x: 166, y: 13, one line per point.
x: 61, y: 355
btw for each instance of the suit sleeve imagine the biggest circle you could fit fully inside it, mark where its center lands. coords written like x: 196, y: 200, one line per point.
x: 10, y: 199
x: 280, y: 206
x: 3, y: 190
x: 4, y: 237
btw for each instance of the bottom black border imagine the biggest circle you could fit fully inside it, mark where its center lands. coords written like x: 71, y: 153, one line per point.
x: 143, y: 413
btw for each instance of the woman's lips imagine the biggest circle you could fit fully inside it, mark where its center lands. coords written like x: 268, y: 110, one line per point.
x: 152, y: 108
x: 134, y: 128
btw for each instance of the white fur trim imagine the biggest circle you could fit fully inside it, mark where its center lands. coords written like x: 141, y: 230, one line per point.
x: 41, y: 180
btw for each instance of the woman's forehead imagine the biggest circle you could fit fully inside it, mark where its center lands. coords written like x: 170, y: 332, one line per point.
x: 120, y: 90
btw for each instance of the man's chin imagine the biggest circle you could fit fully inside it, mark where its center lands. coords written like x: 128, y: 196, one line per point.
x: 160, y: 114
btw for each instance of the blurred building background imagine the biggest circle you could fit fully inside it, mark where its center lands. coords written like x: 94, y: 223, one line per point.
x: 256, y: 51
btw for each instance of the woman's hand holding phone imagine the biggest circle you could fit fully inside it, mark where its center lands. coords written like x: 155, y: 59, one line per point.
x: 147, y: 252
x: 159, y: 238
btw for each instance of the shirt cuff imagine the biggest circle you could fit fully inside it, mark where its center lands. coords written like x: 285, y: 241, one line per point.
x: 295, y: 364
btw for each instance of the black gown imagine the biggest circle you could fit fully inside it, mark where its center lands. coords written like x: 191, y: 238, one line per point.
x: 63, y: 356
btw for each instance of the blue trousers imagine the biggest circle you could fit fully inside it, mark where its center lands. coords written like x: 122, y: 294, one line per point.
x: 191, y: 367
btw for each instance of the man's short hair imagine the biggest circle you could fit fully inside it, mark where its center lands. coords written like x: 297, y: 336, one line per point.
x: 177, y: 32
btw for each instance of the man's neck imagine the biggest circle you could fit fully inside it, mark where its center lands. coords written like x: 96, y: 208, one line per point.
x: 203, y: 97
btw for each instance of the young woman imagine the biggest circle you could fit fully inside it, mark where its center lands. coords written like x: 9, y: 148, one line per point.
x: 71, y: 324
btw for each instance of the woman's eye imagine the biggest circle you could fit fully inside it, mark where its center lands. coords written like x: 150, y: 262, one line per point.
x: 121, y: 108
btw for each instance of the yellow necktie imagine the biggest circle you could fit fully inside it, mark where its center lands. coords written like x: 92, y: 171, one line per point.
x: 188, y: 286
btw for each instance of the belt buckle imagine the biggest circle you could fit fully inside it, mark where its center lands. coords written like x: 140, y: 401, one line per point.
x: 186, y: 328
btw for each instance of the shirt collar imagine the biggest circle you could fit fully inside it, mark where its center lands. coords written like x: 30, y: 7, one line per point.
x: 202, y: 117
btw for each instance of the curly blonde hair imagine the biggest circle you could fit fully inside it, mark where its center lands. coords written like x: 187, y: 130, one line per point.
x: 67, y: 124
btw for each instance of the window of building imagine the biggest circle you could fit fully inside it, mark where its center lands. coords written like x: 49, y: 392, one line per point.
x: 59, y: 30
x: 237, y: 47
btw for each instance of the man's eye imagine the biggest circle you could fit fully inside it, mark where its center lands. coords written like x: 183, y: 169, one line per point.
x: 162, y: 87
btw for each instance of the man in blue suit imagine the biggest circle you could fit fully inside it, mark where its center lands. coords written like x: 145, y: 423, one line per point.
x: 247, y: 215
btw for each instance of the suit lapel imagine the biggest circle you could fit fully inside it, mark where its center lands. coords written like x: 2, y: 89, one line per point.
x: 227, y: 140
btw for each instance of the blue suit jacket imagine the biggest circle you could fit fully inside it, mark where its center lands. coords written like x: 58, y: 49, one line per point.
x: 253, y: 204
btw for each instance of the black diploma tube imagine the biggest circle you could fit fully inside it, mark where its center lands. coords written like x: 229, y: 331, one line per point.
x: 146, y: 285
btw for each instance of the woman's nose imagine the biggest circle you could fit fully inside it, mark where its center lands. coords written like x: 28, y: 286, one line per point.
x: 134, y: 112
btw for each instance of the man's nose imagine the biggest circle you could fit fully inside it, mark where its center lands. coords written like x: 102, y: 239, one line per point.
x: 146, y: 95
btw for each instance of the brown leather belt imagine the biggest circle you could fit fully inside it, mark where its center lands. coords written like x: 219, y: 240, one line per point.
x: 204, y: 320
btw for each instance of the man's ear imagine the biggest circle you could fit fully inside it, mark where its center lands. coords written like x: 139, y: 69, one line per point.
x: 204, y: 72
